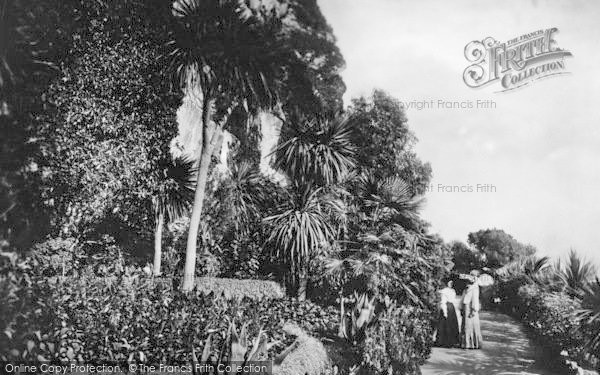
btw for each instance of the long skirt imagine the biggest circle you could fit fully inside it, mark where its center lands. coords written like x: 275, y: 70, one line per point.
x: 471, y: 337
x: 448, y: 334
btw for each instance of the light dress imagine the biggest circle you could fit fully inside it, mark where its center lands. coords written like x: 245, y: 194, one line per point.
x: 471, y: 332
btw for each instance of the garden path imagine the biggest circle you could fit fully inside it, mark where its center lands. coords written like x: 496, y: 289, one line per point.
x: 506, y: 351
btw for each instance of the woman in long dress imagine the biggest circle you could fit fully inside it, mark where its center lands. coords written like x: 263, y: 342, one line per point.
x: 448, y: 329
x: 471, y: 330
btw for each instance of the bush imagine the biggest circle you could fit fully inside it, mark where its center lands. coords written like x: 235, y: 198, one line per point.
x: 55, y: 257
x: 401, y: 339
x: 551, y: 318
x: 22, y: 314
x: 237, y: 289
x: 553, y: 322
x: 130, y: 316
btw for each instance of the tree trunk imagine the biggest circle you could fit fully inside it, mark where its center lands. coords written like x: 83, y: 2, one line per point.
x: 211, y: 131
x: 302, y: 284
x: 160, y: 221
x: 190, y: 253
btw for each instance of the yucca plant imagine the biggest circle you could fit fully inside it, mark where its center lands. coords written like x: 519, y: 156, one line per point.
x: 172, y: 200
x: 576, y: 273
x: 362, y: 314
x: 238, y: 349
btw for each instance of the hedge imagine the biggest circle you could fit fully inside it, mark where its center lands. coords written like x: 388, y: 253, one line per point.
x: 237, y: 289
x: 131, y: 317
x: 550, y: 318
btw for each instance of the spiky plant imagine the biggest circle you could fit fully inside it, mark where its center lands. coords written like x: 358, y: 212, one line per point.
x: 237, y: 349
x: 241, y: 196
x: 299, y: 230
x: 172, y: 200
x: 315, y: 156
x: 390, y: 199
x: 362, y: 314
x: 316, y: 151
x: 576, y: 273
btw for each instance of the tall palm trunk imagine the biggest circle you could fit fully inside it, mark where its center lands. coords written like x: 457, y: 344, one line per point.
x: 211, y: 132
x: 190, y: 252
x: 160, y: 221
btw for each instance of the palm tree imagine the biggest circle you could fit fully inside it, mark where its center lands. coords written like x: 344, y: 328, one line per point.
x: 576, y: 273
x: 173, y: 199
x: 317, y: 151
x: 389, y: 199
x: 227, y: 56
x: 241, y: 196
x: 317, y: 155
x: 299, y: 231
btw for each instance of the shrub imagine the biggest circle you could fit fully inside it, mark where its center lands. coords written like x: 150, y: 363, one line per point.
x: 131, y: 316
x: 401, y: 340
x: 551, y: 318
x: 55, y: 257
x: 234, y: 288
x: 22, y: 314
x: 553, y: 322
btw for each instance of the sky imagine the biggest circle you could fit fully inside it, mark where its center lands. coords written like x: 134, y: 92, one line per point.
x: 538, y: 146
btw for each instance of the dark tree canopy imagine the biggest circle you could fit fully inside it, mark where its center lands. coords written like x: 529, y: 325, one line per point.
x: 33, y: 41
x: 385, y: 142
x: 110, y: 116
x: 464, y: 258
x: 314, y: 39
x: 498, y: 247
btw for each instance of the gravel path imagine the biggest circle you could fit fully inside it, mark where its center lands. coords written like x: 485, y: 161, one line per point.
x: 506, y: 350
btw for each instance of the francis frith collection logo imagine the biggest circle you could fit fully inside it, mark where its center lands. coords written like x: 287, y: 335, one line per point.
x: 515, y: 63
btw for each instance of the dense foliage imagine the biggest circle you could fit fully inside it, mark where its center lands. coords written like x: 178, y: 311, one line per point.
x: 90, y: 146
x: 108, y: 128
x: 498, y: 247
x: 401, y: 341
x: 561, y: 319
x: 385, y: 142
x: 46, y: 317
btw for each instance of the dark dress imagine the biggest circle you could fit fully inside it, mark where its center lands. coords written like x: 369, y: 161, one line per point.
x: 448, y: 335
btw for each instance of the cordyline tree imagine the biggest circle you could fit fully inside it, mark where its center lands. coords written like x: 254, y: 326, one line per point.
x: 316, y: 156
x: 225, y: 55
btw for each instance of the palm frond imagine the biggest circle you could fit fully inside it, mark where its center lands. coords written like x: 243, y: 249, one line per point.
x: 228, y: 48
x: 577, y: 272
x: 391, y: 195
x: 177, y: 183
x: 299, y: 230
x: 316, y: 150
